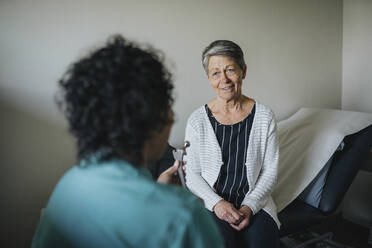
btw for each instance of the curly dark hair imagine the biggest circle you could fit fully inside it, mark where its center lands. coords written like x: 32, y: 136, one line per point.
x: 115, y: 98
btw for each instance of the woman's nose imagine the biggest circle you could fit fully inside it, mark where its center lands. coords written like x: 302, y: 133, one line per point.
x: 224, y: 77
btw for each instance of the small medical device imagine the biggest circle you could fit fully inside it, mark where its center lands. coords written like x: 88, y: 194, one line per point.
x: 178, y: 154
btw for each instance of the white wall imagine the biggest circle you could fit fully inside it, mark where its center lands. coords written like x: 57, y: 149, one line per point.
x: 357, y: 56
x: 292, y: 47
x: 357, y: 96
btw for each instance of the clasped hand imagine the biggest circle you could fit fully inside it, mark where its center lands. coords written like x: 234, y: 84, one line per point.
x: 238, y: 219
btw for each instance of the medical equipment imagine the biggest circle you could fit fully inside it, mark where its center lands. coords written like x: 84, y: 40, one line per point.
x: 178, y: 154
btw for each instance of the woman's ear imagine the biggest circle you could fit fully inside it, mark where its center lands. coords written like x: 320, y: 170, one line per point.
x: 244, y: 71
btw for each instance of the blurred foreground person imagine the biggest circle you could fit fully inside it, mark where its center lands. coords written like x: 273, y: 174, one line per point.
x: 118, y: 101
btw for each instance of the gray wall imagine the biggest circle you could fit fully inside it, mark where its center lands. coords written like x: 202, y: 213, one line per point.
x: 293, y: 50
x: 33, y: 156
x: 357, y: 56
x: 293, y: 47
x: 357, y: 96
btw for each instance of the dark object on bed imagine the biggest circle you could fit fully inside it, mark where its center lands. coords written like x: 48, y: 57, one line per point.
x: 164, y: 163
x: 298, y: 215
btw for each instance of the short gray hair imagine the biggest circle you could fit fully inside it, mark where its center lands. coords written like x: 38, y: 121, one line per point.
x: 225, y: 48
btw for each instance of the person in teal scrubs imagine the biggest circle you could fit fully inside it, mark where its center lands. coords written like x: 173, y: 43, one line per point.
x: 118, y: 103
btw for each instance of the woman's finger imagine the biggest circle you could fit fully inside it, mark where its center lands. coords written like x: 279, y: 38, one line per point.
x: 232, y: 219
x: 235, y: 227
x: 243, y: 224
x: 236, y: 214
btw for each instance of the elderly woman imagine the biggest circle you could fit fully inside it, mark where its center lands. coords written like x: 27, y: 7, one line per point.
x: 233, y: 158
x: 118, y: 102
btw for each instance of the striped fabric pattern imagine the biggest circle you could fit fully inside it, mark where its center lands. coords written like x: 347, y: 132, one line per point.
x: 232, y: 184
x: 204, y: 160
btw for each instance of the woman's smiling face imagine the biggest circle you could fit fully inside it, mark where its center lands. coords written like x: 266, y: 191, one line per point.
x: 225, y: 76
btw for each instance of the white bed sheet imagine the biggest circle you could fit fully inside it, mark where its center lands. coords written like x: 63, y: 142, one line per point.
x: 307, y: 141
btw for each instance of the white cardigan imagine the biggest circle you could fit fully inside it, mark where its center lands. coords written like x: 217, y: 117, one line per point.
x: 204, y: 160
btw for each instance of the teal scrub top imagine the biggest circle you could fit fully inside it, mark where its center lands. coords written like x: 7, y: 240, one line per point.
x: 114, y: 204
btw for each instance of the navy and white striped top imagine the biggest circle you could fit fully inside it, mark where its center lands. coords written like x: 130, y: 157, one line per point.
x: 232, y: 183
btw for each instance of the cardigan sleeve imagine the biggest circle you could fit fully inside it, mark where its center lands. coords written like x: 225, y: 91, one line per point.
x: 194, y: 180
x: 264, y: 186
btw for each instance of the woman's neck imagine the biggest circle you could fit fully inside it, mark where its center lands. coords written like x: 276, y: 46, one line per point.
x: 233, y: 105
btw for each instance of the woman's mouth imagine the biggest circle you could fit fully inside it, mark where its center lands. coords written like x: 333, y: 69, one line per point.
x: 227, y: 88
